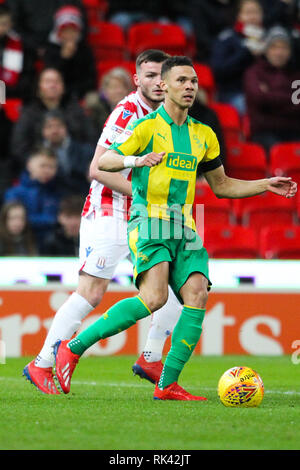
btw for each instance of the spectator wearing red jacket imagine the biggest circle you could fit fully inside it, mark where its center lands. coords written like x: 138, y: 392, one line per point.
x: 268, y: 86
x: 11, y: 52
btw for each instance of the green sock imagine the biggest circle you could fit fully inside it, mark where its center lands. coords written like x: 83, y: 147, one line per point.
x: 185, y: 336
x: 119, y: 317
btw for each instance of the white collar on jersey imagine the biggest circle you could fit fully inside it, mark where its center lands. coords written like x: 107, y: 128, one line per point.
x: 142, y: 102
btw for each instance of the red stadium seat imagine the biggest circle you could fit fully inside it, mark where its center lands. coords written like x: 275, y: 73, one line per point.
x: 106, y: 65
x: 95, y: 9
x: 107, y: 41
x: 231, y: 241
x: 246, y: 161
x: 245, y: 123
x: 265, y: 209
x: 216, y: 211
x: 281, y: 242
x: 298, y: 203
x: 285, y: 160
x: 93, y: 3
x: 168, y: 37
x: 191, y: 47
x: 12, y: 108
x: 230, y: 121
x: 206, y: 79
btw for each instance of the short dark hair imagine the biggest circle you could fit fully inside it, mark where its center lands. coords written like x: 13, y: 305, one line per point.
x: 71, y: 205
x: 175, y: 61
x: 54, y: 114
x: 41, y: 150
x: 151, y: 55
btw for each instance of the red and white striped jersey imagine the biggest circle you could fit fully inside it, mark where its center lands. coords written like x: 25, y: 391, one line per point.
x: 111, y: 202
x: 11, y: 60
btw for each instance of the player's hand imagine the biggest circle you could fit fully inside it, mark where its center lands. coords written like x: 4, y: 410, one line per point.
x: 68, y: 49
x: 151, y: 159
x: 283, y: 186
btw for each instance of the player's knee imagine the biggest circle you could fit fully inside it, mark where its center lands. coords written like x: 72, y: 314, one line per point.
x: 95, y: 297
x: 92, y: 289
x: 156, y: 299
x: 196, y: 295
x: 202, y: 297
x: 197, y: 298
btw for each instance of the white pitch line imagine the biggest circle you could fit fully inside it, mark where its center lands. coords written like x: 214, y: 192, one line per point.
x: 147, y: 385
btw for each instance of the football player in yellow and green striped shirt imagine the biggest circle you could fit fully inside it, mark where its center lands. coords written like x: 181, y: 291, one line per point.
x: 164, y: 150
x: 163, y: 194
x: 172, y: 182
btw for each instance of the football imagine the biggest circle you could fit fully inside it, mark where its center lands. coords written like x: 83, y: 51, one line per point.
x: 241, y: 387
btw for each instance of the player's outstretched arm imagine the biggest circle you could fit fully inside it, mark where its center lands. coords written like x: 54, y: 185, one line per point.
x: 225, y: 187
x: 113, y: 161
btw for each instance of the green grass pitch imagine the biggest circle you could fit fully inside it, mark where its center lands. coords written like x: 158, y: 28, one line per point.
x: 108, y: 408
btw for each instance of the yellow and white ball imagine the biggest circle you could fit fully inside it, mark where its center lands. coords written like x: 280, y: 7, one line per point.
x: 241, y: 387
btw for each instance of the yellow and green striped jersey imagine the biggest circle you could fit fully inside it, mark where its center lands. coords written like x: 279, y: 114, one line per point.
x: 167, y: 190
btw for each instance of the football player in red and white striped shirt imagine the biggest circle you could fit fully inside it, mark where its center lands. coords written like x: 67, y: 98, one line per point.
x: 103, y: 237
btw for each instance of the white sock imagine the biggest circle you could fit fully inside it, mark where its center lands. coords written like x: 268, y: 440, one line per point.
x: 162, y: 326
x: 153, y: 349
x: 40, y: 362
x: 66, y: 322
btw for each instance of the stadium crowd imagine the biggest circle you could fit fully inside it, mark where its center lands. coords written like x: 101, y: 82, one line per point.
x: 63, y: 78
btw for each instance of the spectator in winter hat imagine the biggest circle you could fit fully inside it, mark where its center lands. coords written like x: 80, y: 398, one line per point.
x: 33, y: 20
x: 278, y: 33
x: 68, y: 52
x: 268, y: 85
x: 64, y: 17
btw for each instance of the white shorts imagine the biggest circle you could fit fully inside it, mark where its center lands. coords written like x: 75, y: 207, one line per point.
x: 103, y: 244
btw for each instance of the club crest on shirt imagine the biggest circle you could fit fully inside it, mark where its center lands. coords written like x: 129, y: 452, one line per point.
x: 101, y: 262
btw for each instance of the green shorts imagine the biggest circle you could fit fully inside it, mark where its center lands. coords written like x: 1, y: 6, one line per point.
x: 152, y: 241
